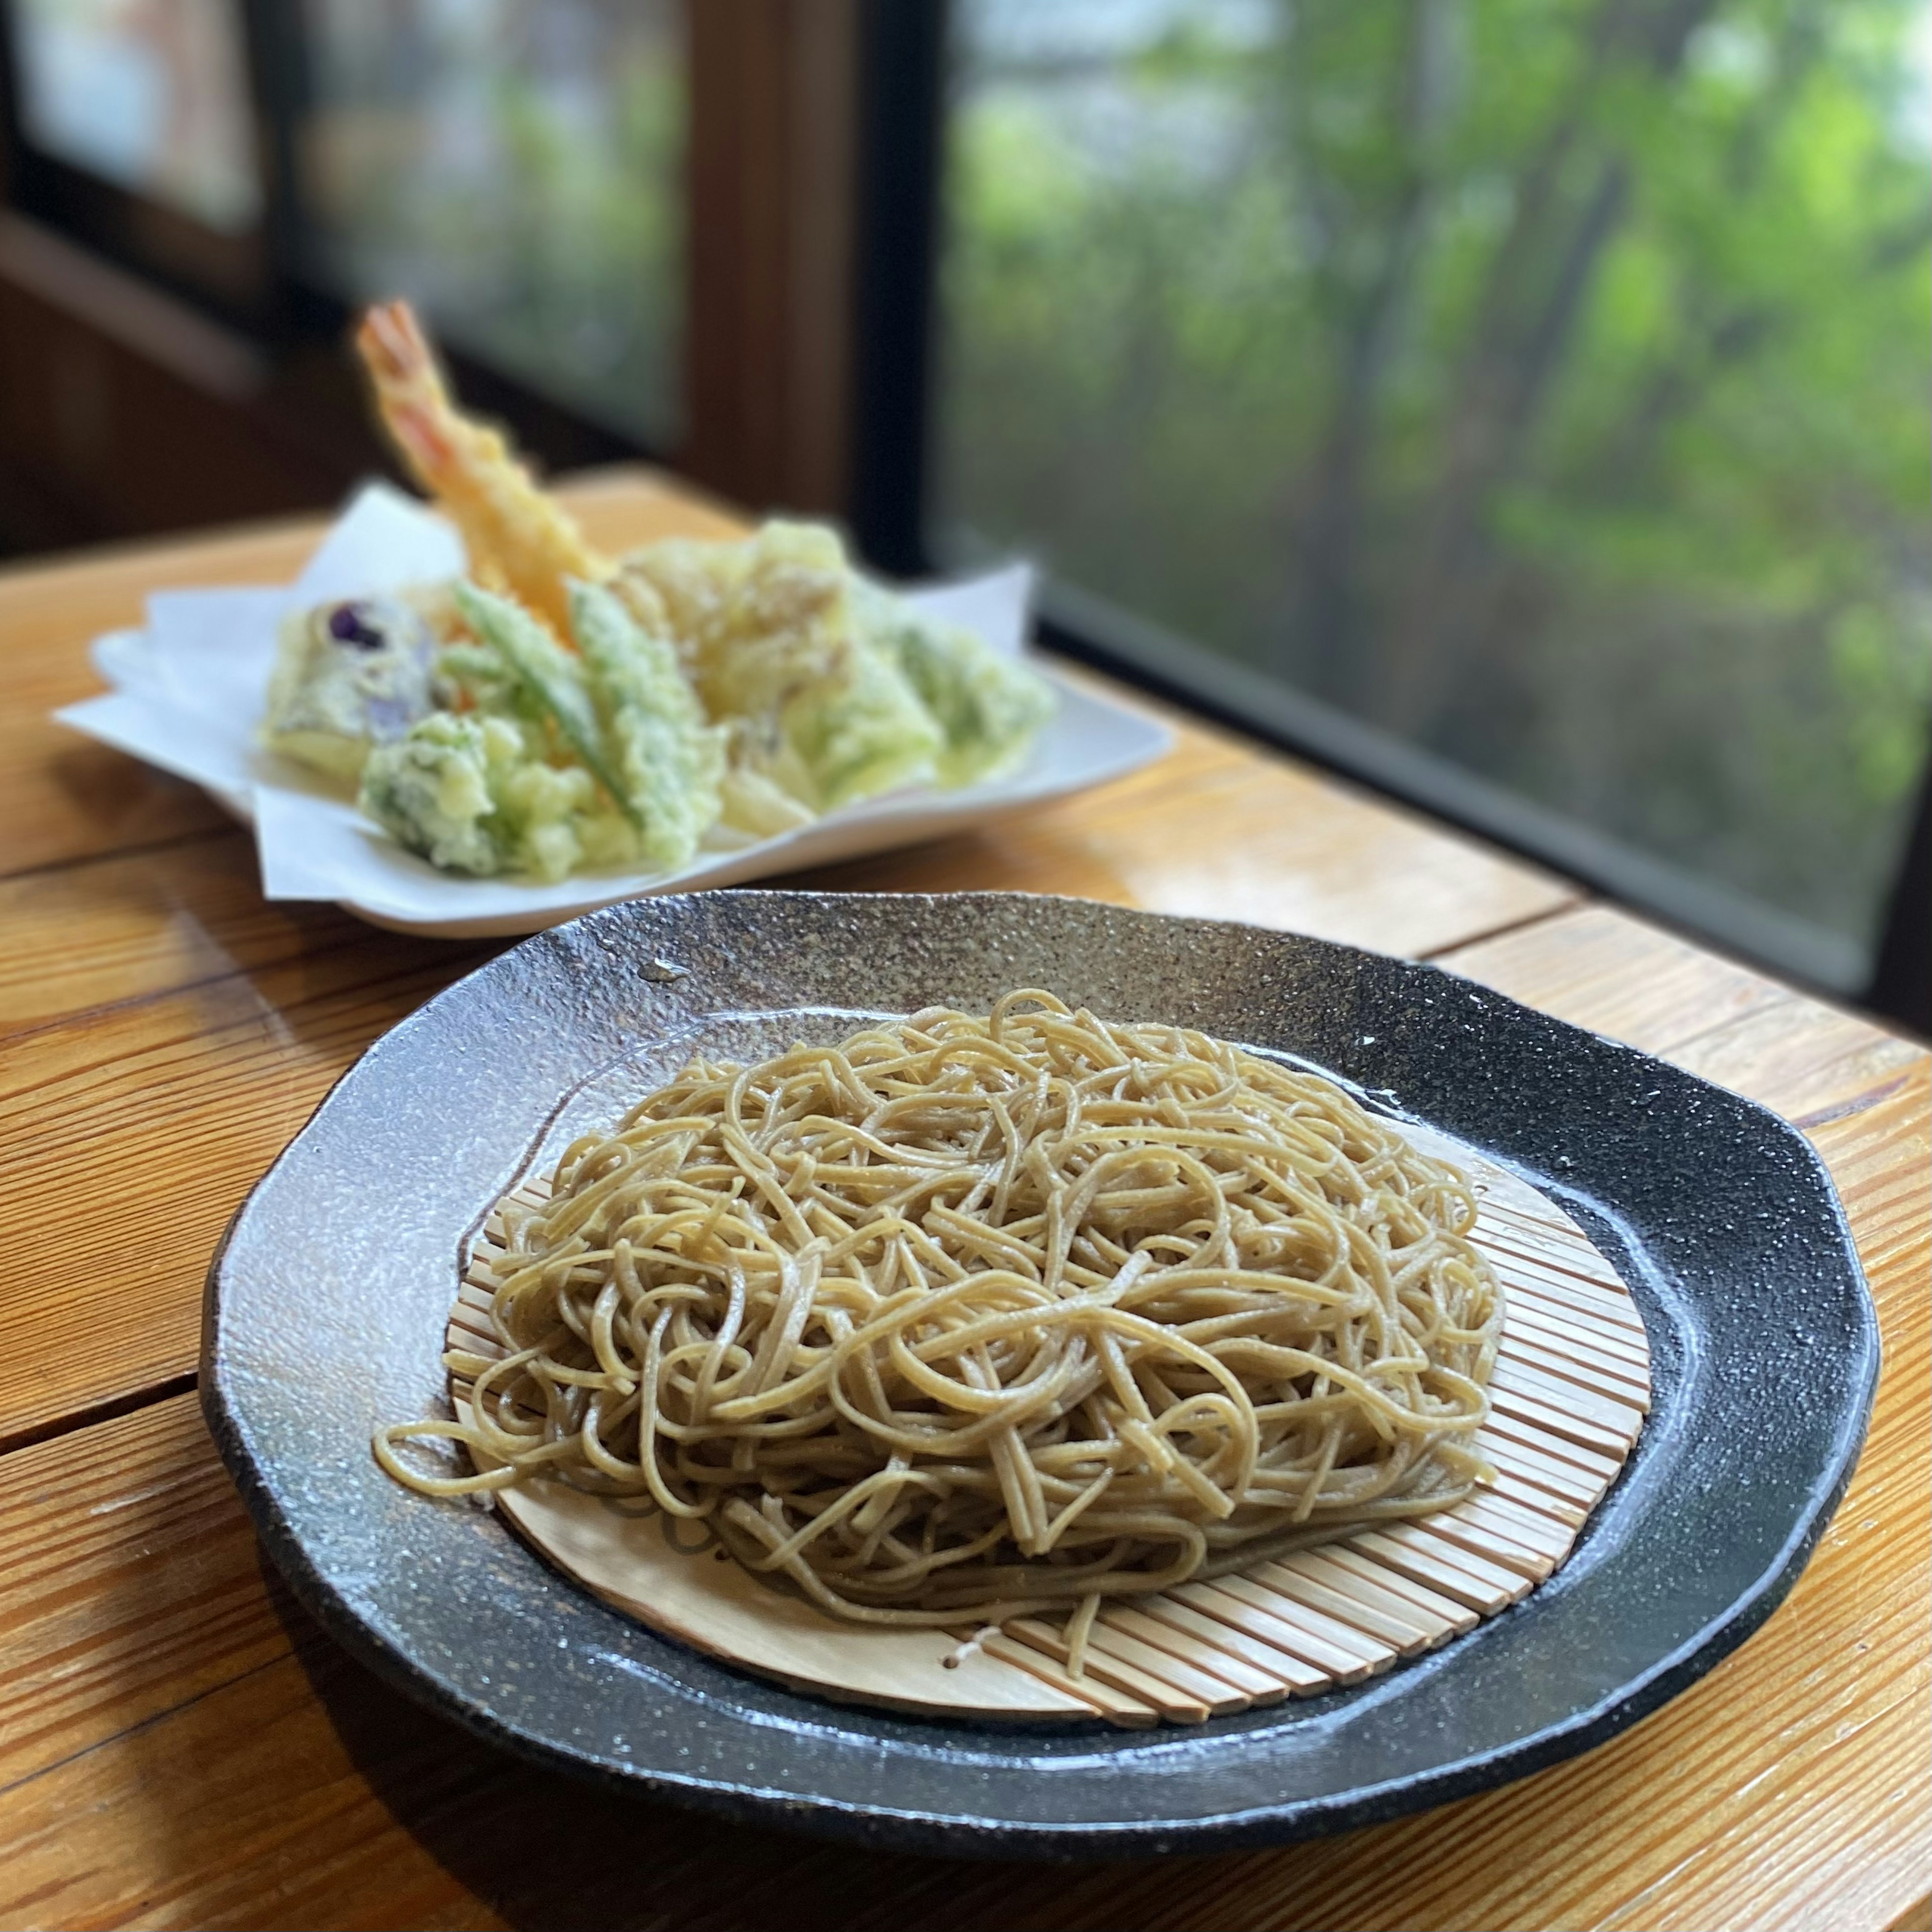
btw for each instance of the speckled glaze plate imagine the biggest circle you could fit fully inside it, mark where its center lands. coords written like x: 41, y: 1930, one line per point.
x: 327, y: 1302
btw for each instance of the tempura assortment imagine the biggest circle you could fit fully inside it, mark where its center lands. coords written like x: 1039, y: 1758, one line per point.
x: 559, y: 710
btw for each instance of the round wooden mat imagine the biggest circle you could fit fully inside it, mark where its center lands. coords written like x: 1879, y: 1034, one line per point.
x: 1570, y: 1393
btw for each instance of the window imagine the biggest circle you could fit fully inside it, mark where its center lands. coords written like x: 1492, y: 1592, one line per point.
x: 515, y: 166
x: 152, y: 95
x: 1521, y: 403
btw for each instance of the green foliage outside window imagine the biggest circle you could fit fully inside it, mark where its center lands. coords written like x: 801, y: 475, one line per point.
x: 1542, y: 380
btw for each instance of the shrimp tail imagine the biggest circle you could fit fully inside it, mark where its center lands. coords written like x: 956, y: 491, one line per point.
x: 520, y: 539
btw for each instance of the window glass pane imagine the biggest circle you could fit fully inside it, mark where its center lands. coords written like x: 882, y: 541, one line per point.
x: 515, y: 167
x: 151, y: 95
x: 1541, y: 382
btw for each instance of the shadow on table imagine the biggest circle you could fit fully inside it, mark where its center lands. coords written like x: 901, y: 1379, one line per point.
x: 544, y: 1853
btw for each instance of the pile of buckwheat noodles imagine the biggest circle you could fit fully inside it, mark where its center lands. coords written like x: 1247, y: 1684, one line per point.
x: 969, y: 1317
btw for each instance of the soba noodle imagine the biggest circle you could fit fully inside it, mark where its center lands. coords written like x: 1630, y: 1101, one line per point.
x: 968, y: 1318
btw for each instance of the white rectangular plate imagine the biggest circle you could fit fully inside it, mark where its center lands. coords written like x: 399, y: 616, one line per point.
x: 187, y: 697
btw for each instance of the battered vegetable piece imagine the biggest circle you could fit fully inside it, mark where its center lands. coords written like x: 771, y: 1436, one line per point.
x: 667, y: 760
x: 988, y: 706
x: 348, y: 676
x: 558, y: 820
x: 860, y: 730
x: 519, y: 539
x: 599, y: 756
x: 756, y: 807
x: 432, y: 793
x: 772, y: 634
x: 474, y: 794
x: 553, y: 683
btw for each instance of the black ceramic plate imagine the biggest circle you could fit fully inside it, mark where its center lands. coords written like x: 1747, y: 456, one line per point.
x: 326, y: 1307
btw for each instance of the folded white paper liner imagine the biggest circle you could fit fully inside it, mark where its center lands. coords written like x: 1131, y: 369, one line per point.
x: 1570, y: 1393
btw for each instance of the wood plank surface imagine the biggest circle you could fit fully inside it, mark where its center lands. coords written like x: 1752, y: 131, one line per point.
x: 1213, y: 832
x: 138, y: 1131
x: 130, y: 1584
x: 179, y: 1747
x: 133, y: 925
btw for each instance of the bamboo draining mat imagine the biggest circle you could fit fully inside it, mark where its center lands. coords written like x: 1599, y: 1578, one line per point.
x: 1569, y: 1395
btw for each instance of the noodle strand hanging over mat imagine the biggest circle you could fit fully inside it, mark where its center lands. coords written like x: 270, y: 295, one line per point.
x: 967, y: 1318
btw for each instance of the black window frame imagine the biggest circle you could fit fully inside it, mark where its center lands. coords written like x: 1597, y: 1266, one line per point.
x: 905, y: 53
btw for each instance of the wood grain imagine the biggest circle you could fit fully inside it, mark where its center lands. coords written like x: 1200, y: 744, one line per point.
x: 1214, y: 831
x: 131, y: 1584
x: 105, y: 931
x: 137, y: 1132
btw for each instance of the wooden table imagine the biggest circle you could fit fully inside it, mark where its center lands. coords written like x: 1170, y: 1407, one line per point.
x: 180, y: 1746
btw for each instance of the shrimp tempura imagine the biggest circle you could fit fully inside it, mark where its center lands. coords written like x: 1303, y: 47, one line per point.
x: 519, y: 539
